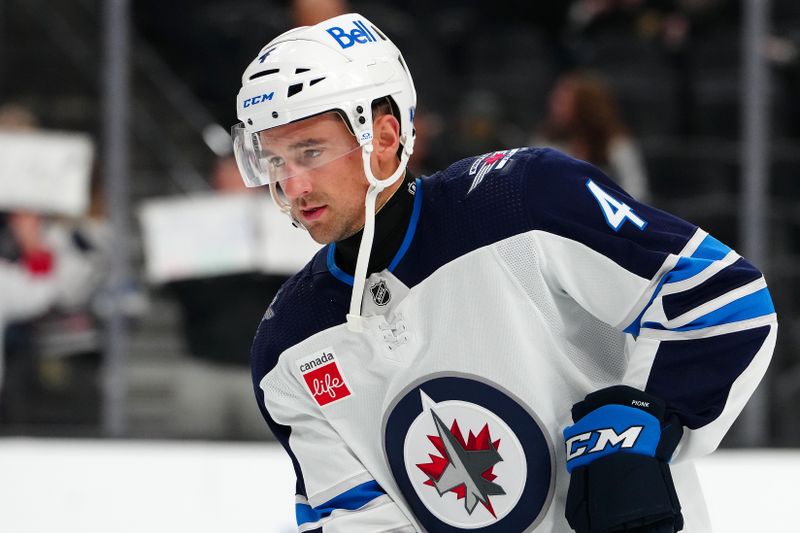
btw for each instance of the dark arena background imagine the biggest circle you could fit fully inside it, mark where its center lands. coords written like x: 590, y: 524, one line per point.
x: 125, y: 399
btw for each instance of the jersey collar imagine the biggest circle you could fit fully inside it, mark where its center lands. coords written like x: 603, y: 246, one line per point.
x: 330, y: 250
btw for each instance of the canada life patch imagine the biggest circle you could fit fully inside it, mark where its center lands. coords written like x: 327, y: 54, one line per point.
x: 323, y: 377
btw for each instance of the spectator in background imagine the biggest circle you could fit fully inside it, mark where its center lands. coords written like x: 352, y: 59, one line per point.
x: 27, y: 286
x: 44, y: 280
x: 50, y: 270
x: 213, y: 395
x: 583, y: 120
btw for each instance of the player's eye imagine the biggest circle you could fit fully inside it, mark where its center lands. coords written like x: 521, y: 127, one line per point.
x: 310, y: 154
x: 275, y: 161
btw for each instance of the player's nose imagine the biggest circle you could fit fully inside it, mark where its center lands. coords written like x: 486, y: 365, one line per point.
x: 297, y: 186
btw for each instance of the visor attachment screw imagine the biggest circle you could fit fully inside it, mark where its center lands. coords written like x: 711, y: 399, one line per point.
x: 274, y: 114
x: 361, y: 120
x: 250, y: 121
x: 359, y: 110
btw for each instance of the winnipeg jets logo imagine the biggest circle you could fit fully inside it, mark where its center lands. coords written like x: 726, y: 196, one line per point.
x: 464, y: 468
x: 453, y: 474
x: 488, y: 162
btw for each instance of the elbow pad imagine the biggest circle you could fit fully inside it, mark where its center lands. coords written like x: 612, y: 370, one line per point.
x: 618, y: 453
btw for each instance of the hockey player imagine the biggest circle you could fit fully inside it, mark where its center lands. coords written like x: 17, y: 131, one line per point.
x: 511, y: 344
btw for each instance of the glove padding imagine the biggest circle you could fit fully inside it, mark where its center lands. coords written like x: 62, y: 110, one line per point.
x: 618, y: 452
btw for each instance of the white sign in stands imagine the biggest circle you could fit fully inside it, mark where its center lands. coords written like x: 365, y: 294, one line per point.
x: 46, y: 172
x: 211, y: 234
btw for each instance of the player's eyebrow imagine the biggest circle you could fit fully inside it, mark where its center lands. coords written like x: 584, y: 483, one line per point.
x: 311, y: 142
x: 307, y: 143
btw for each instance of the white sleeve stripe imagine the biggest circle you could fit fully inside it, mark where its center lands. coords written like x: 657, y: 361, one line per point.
x: 650, y: 294
x: 713, y: 331
x: 328, y: 494
x: 713, y: 305
x: 693, y: 243
x: 657, y: 286
x: 704, y: 275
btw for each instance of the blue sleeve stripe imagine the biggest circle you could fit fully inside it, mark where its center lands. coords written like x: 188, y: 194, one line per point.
x: 751, y: 306
x: 711, y: 249
x: 686, y: 268
x: 350, y: 500
x: 732, y: 277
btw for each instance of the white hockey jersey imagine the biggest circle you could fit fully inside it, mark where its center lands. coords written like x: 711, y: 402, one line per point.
x: 526, y: 280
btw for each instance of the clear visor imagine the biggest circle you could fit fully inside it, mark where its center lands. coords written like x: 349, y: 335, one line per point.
x: 277, y: 154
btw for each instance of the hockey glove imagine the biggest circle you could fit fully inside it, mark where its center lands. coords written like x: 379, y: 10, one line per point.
x: 617, y: 454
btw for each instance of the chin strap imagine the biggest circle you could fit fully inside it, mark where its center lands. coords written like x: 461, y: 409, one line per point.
x: 355, y: 322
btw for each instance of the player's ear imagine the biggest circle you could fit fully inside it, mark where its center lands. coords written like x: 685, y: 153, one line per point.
x: 385, y: 142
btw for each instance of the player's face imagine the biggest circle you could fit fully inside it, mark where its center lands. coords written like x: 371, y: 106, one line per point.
x: 327, y: 198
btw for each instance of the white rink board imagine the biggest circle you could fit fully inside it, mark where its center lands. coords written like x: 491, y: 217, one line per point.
x: 93, y: 486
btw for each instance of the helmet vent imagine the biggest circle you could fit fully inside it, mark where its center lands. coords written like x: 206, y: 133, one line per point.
x: 316, y: 81
x: 294, y: 89
x: 264, y: 73
x: 301, y: 70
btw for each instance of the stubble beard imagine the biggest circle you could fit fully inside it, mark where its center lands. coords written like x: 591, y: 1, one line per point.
x: 336, y: 226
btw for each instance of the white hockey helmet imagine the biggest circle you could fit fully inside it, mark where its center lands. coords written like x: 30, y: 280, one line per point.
x: 342, y: 64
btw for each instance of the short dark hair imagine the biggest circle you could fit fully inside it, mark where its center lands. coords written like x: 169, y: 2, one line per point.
x: 382, y: 106
x: 385, y: 105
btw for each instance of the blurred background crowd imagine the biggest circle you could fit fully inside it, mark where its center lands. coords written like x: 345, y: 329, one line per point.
x: 649, y: 90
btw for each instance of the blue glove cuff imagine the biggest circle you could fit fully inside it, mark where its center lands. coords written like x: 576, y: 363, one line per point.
x: 611, y: 429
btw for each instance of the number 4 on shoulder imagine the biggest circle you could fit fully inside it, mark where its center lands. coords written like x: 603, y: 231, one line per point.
x: 614, y: 211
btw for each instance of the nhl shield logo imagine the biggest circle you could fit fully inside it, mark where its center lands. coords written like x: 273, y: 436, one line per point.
x: 468, y: 456
x: 380, y: 293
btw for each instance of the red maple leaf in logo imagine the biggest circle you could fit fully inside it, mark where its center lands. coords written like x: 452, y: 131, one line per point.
x: 438, y: 464
x: 497, y: 156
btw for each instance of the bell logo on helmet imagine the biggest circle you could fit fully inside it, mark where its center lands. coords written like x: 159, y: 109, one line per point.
x: 258, y: 99
x: 360, y: 34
